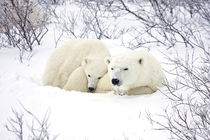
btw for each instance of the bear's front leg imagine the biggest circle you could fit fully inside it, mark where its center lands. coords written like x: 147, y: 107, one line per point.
x: 121, y: 93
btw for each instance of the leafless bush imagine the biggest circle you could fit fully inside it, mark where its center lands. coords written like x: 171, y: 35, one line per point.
x: 167, y: 23
x: 89, y: 19
x: 22, y: 24
x: 52, y: 1
x: 15, y: 125
x: 146, y: 22
x: 188, y: 117
x: 159, y: 22
x: 35, y: 130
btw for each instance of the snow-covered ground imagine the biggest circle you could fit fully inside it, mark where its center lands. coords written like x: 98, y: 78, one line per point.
x: 73, y: 115
x: 76, y: 115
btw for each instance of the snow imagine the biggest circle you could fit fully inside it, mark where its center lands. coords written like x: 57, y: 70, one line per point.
x: 77, y: 115
x: 73, y: 115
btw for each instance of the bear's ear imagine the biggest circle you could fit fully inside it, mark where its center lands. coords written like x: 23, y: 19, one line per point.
x: 85, y: 61
x: 140, y: 61
x: 107, y: 60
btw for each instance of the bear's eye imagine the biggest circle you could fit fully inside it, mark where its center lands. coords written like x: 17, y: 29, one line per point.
x: 89, y: 75
x: 99, y: 77
x: 112, y: 68
x: 125, y: 68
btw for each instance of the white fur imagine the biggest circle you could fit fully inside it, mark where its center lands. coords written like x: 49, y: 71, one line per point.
x: 94, y: 70
x: 77, y: 81
x: 87, y: 55
x: 137, y: 72
x: 104, y: 86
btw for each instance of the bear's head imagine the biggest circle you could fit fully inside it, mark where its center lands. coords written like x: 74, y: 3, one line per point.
x: 95, y: 69
x: 124, y: 71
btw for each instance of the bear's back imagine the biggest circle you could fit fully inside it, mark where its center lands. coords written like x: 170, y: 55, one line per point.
x: 92, y: 48
x: 84, y: 48
x: 152, y: 68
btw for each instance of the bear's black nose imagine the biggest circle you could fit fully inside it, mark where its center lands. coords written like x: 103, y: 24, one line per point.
x: 115, y: 81
x: 91, y: 88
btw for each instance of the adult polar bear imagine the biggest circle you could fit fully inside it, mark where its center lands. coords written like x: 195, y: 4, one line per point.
x: 134, y: 72
x: 67, y: 60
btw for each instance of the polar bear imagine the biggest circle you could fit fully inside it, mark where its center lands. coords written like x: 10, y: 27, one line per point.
x: 134, y: 72
x: 74, y: 56
x: 77, y: 81
x: 86, y: 77
x: 105, y: 85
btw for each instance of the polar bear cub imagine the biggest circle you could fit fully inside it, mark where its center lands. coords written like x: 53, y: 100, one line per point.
x: 133, y: 72
x: 82, y: 55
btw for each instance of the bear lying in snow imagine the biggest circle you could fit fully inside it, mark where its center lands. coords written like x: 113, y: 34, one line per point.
x: 105, y: 85
x: 134, y: 72
x: 76, y: 57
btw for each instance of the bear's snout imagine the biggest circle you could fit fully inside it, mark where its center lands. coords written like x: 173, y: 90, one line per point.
x: 115, y: 81
x: 91, y: 89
